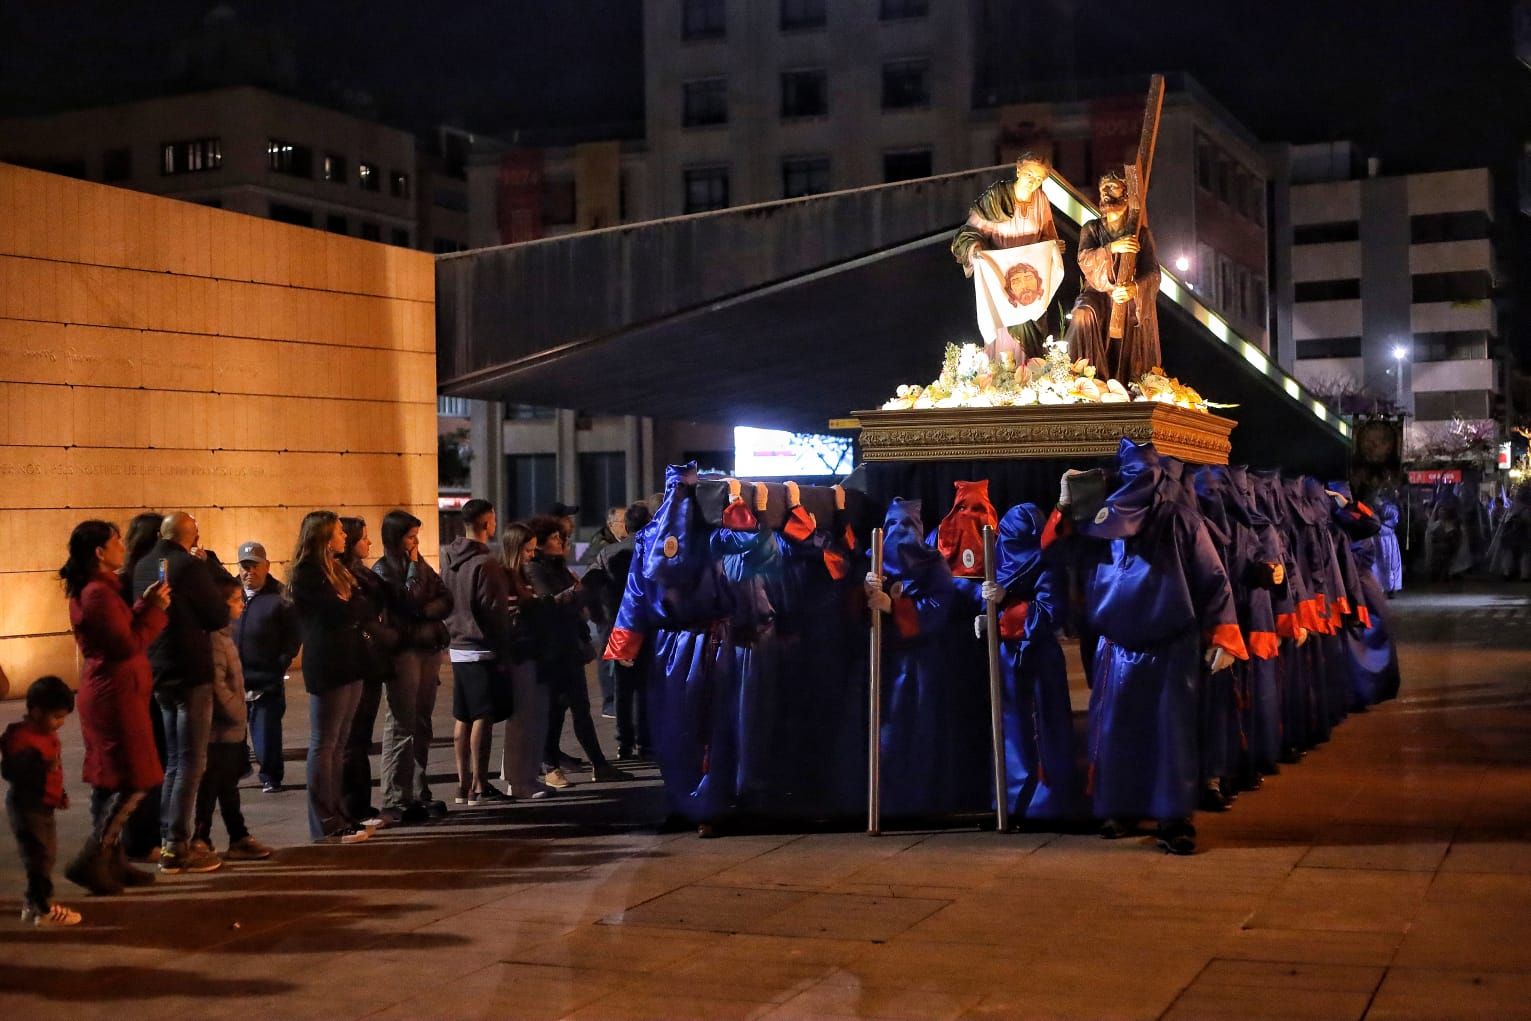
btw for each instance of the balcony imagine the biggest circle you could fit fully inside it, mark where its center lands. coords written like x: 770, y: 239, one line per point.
x: 1461, y: 374
x: 1449, y: 316
x: 1451, y: 257
x: 1315, y: 320
x: 1338, y: 260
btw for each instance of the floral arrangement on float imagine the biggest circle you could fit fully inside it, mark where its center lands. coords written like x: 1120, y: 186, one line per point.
x: 969, y: 379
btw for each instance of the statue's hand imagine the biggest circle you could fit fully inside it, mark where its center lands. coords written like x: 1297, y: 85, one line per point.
x: 1122, y: 295
x: 1121, y: 246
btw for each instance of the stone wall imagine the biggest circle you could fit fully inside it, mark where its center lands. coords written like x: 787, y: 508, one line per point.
x: 156, y: 354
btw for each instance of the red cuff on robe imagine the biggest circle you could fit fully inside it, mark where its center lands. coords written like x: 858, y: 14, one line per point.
x: 1058, y: 527
x: 1364, y: 615
x: 849, y: 537
x: 837, y: 564
x: 800, y: 524
x: 1287, y: 625
x: 623, y: 644
x: 1264, y: 644
x: 1228, y: 638
x: 739, y: 517
x: 906, y: 617
x: 1342, y: 606
x: 1364, y: 509
x: 1012, y: 621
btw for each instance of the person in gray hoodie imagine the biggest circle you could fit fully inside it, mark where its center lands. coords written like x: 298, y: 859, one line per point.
x: 478, y: 630
x: 228, y: 754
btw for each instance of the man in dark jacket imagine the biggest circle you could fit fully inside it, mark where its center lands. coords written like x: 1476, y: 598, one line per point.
x: 478, y: 631
x: 182, y: 661
x: 606, y: 579
x: 267, y: 640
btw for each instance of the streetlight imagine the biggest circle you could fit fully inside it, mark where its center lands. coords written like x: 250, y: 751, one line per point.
x: 1400, y: 352
x: 1182, y: 264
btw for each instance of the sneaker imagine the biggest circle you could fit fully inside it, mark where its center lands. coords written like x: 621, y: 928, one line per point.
x: 270, y: 788
x: 608, y: 714
x: 608, y: 773
x: 247, y: 848
x: 349, y: 835
x: 55, y: 917
x: 373, y: 821
x: 462, y: 796
x: 555, y: 778
x: 571, y: 763
x: 173, y: 862
x: 201, y: 845
x: 490, y: 795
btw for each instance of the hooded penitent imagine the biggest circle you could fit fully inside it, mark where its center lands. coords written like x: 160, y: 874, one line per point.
x: 960, y: 535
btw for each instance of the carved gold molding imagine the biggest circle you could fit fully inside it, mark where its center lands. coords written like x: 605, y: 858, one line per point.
x: 1056, y: 431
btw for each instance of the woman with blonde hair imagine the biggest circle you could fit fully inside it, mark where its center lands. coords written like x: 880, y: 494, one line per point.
x: 320, y: 591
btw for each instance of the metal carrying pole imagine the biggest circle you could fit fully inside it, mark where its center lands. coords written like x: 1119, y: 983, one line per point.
x: 996, y: 691
x: 874, y: 705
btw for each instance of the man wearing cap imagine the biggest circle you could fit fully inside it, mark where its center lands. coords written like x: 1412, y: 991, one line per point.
x: 267, y: 639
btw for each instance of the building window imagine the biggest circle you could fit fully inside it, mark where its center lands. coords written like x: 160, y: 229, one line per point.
x: 455, y: 199
x: 1326, y: 233
x: 1469, y: 286
x: 398, y: 184
x: 906, y: 165
x: 191, y: 157
x: 702, y: 19
x: 289, y: 158
x: 1206, y: 159
x: 116, y: 165
x: 893, y: 10
x: 602, y: 484
x: 371, y: 232
x: 706, y: 188
x: 531, y: 484
x: 336, y: 224
x: 529, y: 413
x: 799, y: 14
x: 369, y: 177
x: 291, y: 214
x: 399, y: 236
x: 1330, y: 347
x: 808, y: 175
x: 1450, y: 346
x: 804, y: 93
x: 1439, y: 406
x: 704, y: 102
x: 334, y: 168
x: 1327, y: 290
x: 1433, y: 228
x: 1257, y: 307
x: 905, y: 84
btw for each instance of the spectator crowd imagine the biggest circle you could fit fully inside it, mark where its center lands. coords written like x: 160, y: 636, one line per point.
x: 182, y: 692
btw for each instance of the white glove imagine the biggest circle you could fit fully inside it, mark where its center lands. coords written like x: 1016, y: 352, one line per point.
x: 1302, y: 636
x: 625, y: 662
x: 992, y: 592
x: 879, y: 601
x: 1063, y: 485
x: 1339, y: 500
x: 794, y: 495
x: 1218, y: 659
x: 873, y: 580
x: 980, y: 625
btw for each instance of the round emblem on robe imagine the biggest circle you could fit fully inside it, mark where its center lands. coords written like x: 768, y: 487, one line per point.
x: 1101, y: 516
x: 671, y: 546
x: 968, y: 560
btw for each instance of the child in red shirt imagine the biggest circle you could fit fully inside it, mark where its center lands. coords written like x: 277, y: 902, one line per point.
x: 30, y: 760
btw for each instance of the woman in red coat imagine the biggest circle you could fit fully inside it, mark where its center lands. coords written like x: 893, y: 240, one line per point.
x: 121, y: 761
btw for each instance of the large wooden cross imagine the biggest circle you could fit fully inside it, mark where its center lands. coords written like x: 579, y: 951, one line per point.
x: 1137, y: 197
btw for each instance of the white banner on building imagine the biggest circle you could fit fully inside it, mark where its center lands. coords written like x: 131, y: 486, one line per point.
x: 1014, y: 285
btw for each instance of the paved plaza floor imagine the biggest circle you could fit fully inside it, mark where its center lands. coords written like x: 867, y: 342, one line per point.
x: 1387, y: 876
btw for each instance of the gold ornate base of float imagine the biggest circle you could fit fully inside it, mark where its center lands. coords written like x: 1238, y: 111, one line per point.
x: 1062, y: 431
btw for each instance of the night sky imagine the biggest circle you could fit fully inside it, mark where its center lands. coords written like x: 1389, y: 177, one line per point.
x: 1423, y: 84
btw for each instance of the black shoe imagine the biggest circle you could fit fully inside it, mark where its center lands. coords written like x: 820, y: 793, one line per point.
x: 626, y: 754
x: 416, y: 813
x: 1177, y: 838
x: 570, y: 762
x: 92, y: 871
x: 436, y: 809
x: 1115, y: 829
x: 1213, y: 799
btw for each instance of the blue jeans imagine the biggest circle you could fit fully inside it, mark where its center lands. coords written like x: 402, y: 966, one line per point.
x: 188, y: 719
x: 329, y: 726
x: 266, y: 715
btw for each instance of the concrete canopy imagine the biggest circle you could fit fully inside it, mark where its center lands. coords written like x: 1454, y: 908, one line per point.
x: 785, y: 315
